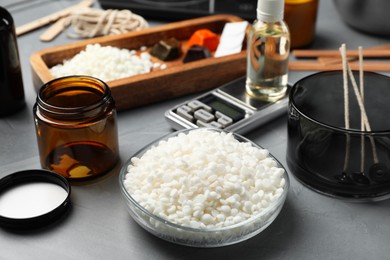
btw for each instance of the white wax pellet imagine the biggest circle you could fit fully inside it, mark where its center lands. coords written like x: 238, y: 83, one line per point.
x: 221, y: 217
x: 194, y: 224
x: 237, y: 219
x: 225, y: 209
x: 234, y: 212
x: 207, y: 219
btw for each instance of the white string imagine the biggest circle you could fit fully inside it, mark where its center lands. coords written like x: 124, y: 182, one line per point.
x: 346, y: 104
x: 362, y: 128
x: 364, y: 115
x: 359, y: 100
x: 365, y: 124
x: 89, y: 23
x: 345, y: 85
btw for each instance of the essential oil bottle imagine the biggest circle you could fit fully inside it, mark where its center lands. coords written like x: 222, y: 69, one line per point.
x: 268, y: 52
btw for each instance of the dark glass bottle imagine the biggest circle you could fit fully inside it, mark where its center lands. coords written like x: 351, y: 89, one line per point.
x: 11, y: 82
x: 75, y: 120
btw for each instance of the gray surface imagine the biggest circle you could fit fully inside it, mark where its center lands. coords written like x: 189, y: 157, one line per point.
x: 310, y: 226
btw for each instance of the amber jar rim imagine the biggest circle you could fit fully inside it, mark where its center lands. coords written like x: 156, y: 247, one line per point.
x: 48, y: 90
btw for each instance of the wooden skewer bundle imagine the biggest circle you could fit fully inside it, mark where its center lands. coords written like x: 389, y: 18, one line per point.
x: 330, y: 60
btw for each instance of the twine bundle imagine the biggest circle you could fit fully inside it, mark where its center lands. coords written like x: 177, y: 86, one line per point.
x: 89, y: 23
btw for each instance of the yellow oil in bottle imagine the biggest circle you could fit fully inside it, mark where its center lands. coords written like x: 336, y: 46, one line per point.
x: 267, y: 62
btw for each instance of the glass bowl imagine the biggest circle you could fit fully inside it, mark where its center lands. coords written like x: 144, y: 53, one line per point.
x: 198, y: 237
x: 347, y: 163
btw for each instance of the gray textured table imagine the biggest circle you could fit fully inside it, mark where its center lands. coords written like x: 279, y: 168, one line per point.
x: 310, y: 226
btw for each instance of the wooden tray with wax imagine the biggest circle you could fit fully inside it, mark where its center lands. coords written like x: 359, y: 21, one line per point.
x: 177, y: 79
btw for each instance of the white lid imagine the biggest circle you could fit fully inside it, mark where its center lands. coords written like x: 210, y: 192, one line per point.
x: 270, y: 10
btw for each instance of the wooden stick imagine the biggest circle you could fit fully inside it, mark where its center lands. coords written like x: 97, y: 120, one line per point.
x: 51, y: 18
x: 54, y: 30
x: 319, y: 66
x: 332, y: 60
x: 367, y: 53
x: 337, y: 59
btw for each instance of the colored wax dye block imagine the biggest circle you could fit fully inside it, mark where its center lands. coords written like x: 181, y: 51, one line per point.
x: 166, y: 49
x: 196, y: 52
x: 206, y: 38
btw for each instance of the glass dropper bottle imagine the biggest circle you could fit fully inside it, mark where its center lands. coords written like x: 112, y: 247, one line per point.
x: 268, y: 52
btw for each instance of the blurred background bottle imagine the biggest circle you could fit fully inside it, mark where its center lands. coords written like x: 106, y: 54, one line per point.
x: 11, y: 82
x: 301, y: 17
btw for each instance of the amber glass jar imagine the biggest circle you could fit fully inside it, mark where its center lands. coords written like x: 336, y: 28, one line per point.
x: 301, y: 17
x: 75, y: 121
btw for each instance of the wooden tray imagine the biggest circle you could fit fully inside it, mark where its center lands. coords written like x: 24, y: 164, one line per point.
x: 178, y: 79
